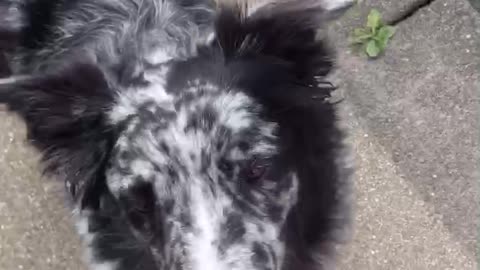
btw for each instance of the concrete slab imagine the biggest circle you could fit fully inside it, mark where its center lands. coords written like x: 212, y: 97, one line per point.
x: 356, y: 16
x: 35, y: 226
x: 395, y: 228
x: 420, y: 104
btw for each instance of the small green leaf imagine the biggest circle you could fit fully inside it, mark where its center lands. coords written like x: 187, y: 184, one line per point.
x: 374, y: 20
x: 383, y: 36
x: 361, y: 39
x: 386, y: 31
x: 372, y: 49
x: 374, y: 38
x: 357, y: 41
x: 360, y: 36
x: 361, y: 32
x: 381, y: 44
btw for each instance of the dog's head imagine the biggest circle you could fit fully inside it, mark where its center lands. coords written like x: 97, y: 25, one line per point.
x: 217, y: 162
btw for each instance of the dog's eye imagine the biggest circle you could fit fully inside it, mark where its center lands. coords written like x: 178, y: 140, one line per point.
x: 142, y: 205
x: 139, y: 205
x: 256, y: 170
x: 140, y: 199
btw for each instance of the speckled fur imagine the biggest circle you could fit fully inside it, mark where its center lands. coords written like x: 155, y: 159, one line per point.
x: 188, y: 137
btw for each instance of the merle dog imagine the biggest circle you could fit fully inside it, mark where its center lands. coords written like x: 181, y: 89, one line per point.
x: 190, y: 136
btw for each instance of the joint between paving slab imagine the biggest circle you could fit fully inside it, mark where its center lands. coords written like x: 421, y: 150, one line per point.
x: 410, y: 11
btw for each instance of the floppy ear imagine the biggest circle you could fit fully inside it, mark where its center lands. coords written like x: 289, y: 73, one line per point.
x: 283, y: 30
x: 65, y: 118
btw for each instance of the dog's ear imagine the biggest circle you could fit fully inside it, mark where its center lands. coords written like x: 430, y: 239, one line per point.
x: 284, y: 30
x: 65, y: 115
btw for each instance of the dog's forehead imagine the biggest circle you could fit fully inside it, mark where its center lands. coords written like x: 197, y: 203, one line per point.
x: 193, y: 145
x: 175, y: 134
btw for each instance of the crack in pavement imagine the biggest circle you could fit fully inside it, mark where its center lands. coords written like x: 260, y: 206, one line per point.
x: 412, y: 10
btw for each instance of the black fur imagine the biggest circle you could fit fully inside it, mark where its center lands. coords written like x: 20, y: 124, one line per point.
x: 65, y: 120
x: 279, y: 65
x: 272, y: 56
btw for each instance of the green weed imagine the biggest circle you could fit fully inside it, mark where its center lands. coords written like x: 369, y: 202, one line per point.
x: 374, y: 37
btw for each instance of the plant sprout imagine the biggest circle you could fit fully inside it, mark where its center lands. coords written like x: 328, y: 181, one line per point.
x: 374, y: 37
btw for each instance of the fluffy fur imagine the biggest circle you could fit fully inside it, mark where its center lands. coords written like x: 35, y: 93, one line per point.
x: 188, y: 136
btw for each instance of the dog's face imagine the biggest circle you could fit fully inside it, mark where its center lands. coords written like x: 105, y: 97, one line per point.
x: 214, y: 162
x: 201, y: 169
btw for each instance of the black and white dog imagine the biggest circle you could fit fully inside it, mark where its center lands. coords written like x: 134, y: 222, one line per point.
x: 190, y: 136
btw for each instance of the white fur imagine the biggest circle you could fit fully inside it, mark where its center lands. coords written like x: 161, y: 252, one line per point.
x: 142, y: 168
x: 103, y: 266
x: 204, y: 253
x: 82, y: 225
x: 128, y: 101
x: 232, y: 111
x: 159, y: 56
x: 332, y: 5
x: 13, y: 79
x: 117, y: 183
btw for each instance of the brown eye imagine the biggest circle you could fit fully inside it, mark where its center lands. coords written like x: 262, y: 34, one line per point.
x: 256, y: 170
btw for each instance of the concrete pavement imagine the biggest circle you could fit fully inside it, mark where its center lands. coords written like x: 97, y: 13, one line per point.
x: 418, y: 108
x: 35, y: 228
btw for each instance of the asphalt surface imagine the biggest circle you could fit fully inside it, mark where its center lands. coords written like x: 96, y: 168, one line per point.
x: 413, y: 116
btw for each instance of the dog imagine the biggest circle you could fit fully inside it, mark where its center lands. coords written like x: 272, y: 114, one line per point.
x: 189, y: 135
